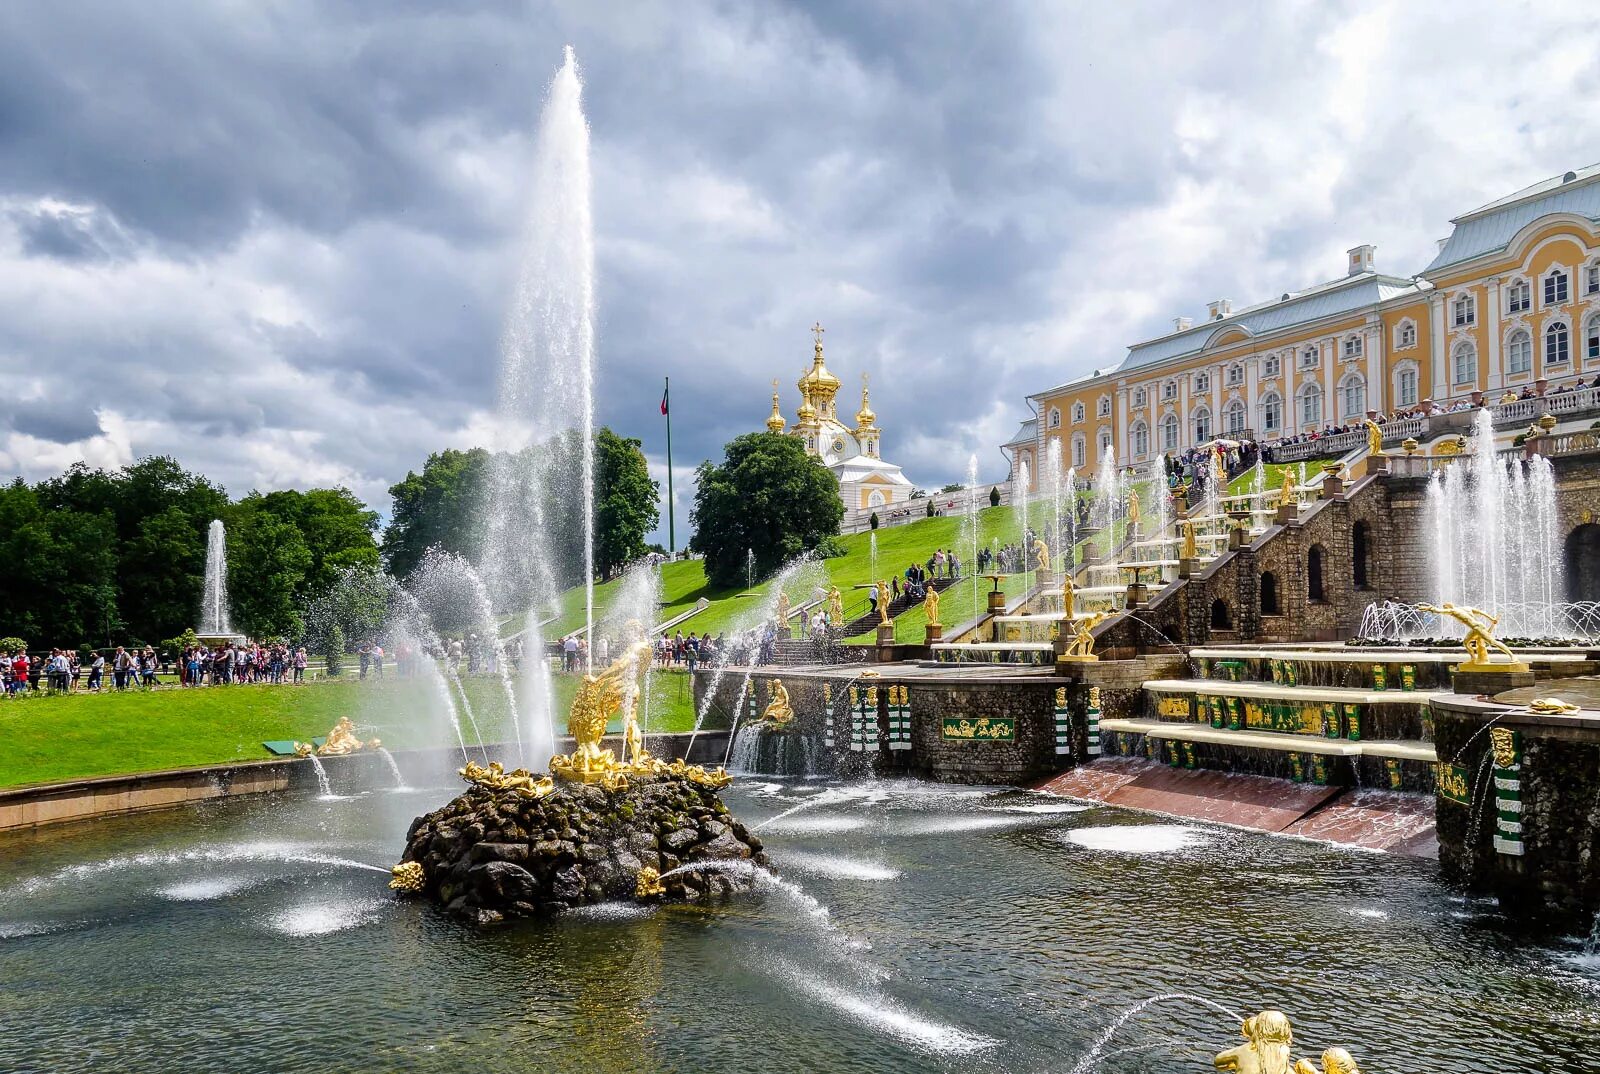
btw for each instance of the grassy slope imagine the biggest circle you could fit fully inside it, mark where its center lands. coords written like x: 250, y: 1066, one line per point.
x: 82, y: 735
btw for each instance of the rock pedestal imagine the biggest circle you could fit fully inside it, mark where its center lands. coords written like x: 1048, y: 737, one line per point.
x: 492, y: 854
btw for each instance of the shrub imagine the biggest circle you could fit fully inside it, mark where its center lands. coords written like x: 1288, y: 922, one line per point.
x: 994, y: 496
x: 11, y: 645
x: 873, y: 521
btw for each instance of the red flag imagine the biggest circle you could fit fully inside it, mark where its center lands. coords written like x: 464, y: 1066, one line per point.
x: 663, y: 402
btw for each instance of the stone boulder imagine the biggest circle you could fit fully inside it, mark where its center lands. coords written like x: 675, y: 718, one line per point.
x: 490, y: 855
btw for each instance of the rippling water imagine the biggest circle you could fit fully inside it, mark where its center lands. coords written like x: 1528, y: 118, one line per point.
x: 918, y: 929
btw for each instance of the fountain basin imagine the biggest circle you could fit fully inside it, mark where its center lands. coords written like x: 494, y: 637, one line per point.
x: 491, y: 855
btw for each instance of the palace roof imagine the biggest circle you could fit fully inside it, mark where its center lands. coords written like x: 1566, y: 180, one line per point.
x: 1491, y: 227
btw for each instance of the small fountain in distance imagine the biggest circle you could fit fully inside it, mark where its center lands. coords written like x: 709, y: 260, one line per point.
x: 215, y: 622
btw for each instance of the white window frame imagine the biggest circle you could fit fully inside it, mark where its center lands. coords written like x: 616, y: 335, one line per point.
x: 1201, y: 433
x: 1311, y: 357
x: 1078, y: 413
x: 1591, y: 339
x: 1235, y: 418
x: 1202, y: 383
x: 1463, y: 311
x: 1519, y: 344
x: 1591, y: 277
x: 1139, y: 398
x: 1171, y: 432
x: 1080, y: 451
x: 1055, y: 417
x: 1235, y: 375
x: 1104, y: 440
x: 1271, y: 366
x: 1464, y: 360
x: 1555, y: 288
x: 1406, y: 376
x: 1169, y: 391
x: 1310, y: 405
x: 1357, y: 383
x: 1352, y: 347
x: 1405, y: 335
x: 1519, y: 288
x: 1272, y: 413
x: 1102, y: 407
x: 1139, y: 437
x: 1557, y: 342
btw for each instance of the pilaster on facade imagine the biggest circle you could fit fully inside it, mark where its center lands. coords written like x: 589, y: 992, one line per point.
x: 1437, y: 346
x: 1497, y: 372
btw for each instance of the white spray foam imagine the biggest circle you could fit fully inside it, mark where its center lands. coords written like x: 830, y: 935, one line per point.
x: 1138, y: 838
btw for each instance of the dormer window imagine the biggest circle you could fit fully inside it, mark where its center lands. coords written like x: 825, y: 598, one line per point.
x: 1271, y: 366
x: 1235, y: 375
x: 1310, y: 357
x: 1202, y: 382
x: 1555, y: 288
x: 1352, y: 347
x: 1463, y: 312
x: 1519, y: 297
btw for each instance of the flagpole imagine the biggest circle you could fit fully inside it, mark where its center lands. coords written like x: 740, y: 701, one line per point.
x: 666, y: 409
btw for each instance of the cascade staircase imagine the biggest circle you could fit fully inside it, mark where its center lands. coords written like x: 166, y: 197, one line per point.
x: 867, y: 621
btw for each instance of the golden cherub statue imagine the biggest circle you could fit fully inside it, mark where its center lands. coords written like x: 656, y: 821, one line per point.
x: 1082, y: 645
x: 1480, y: 637
x: 1374, y: 438
x: 930, y: 606
x: 1190, y: 548
x: 778, y: 709
x: 835, y: 607
x: 1041, y: 556
x: 1286, y: 494
x: 341, y: 740
x: 1269, y: 1040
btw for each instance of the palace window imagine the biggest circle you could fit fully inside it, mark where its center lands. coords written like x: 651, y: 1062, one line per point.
x: 1105, y: 442
x: 1202, y: 382
x: 1055, y: 418
x: 1555, y: 288
x: 1138, y: 397
x: 1235, y: 375
x: 1353, y: 395
x: 1202, y: 425
x: 1462, y: 312
x: 1103, y: 407
x: 1310, y: 357
x: 1169, y: 391
x: 1519, y: 352
x: 1519, y: 297
x: 1555, y: 344
x: 1169, y: 433
x: 1141, y: 440
x: 1352, y: 347
x: 1270, y: 367
x: 1591, y: 339
x: 1271, y: 414
x: 1406, y: 387
x: 1591, y: 278
x: 1077, y: 413
x: 1311, y: 405
x: 1406, y: 336
x: 1464, y: 360
x: 1079, y: 451
x: 1233, y: 418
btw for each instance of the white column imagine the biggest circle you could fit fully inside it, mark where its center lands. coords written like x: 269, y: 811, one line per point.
x: 1491, y: 323
x: 1376, y: 345
x: 1330, y: 376
x: 1437, y: 345
x: 1252, y: 394
x: 1291, y: 416
x: 1185, y: 432
x: 1119, y: 425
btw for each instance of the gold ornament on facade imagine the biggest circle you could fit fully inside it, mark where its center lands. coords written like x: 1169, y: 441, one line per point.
x: 778, y: 709
x: 648, y: 884
x: 1453, y: 445
x: 341, y: 740
x: 1269, y: 1041
x: 407, y: 877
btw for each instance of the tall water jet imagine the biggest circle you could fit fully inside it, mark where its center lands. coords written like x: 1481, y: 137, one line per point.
x: 969, y: 525
x: 1019, y: 509
x: 547, y: 393
x: 214, y: 618
x: 1107, y: 503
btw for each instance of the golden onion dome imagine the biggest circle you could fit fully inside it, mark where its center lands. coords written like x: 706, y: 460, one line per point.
x: 865, y: 417
x: 807, y: 412
x: 817, y: 381
x: 775, y: 422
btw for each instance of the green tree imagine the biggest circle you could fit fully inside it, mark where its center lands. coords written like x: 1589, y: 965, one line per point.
x: 268, y: 563
x: 767, y: 496
x: 59, y: 583
x: 625, y: 502
x: 439, y: 506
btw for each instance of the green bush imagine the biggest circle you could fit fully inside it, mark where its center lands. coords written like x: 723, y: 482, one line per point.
x: 873, y: 521
x: 832, y: 548
x: 11, y: 645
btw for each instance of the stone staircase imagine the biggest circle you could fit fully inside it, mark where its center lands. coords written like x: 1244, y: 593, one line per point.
x: 868, y: 621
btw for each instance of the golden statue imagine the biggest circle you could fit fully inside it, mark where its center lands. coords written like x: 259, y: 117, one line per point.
x: 835, y: 607
x: 648, y: 885
x: 778, y: 709
x: 1374, y: 438
x: 1190, y: 548
x: 1133, y: 507
x: 599, y: 696
x: 1081, y: 647
x: 1552, y: 706
x: 930, y: 606
x: 1286, y: 494
x: 1069, y: 594
x: 1041, y: 556
x: 1268, y: 1042
x: 1480, y: 637
x: 883, y: 602
x: 494, y: 777
x: 341, y: 740
x: 783, y: 609
x: 408, y: 877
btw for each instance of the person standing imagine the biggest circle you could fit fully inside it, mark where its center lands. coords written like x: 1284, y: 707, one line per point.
x: 97, y: 668
x: 121, y: 662
x: 300, y: 666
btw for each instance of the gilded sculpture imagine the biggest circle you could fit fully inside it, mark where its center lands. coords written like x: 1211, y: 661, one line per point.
x: 494, y: 777
x: 835, y: 607
x: 778, y: 709
x: 1374, y: 438
x: 1133, y: 507
x: 1552, y: 706
x: 1503, y: 744
x: 1069, y: 595
x: 1269, y: 1040
x: 1480, y: 636
x: 600, y: 696
x: 648, y: 885
x: 783, y: 609
x: 1286, y: 494
x: 1041, y: 556
x: 1190, y: 547
x: 930, y: 606
x: 1081, y: 647
x: 408, y: 877
x: 883, y: 602
x: 341, y: 740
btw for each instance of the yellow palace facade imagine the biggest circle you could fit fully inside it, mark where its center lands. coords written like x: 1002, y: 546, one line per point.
x: 1511, y: 300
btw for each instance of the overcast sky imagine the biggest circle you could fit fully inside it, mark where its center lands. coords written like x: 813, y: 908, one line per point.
x: 277, y: 240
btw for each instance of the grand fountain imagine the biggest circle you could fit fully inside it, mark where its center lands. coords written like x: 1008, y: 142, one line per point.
x: 216, y: 625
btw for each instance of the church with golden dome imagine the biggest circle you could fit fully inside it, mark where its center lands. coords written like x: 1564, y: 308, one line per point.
x: 866, y: 481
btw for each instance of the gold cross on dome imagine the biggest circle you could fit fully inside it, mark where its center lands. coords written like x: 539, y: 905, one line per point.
x: 817, y: 331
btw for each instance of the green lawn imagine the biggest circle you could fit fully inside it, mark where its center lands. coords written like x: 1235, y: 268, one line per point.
x: 51, y: 738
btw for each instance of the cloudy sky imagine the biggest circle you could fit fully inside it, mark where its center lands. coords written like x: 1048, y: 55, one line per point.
x: 278, y: 240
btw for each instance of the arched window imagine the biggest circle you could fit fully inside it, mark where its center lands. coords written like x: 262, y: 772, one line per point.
x: 1463, y: 311
x: 876, y: 498
x: 1519, y: 297
x: 1314, y: 573
x: 1591, y: 338
x: 1269, y: 594
x: 1103, y: 407
x: 1310, y: 405
x: 1555, y: 344
x: 1360, y: 542
x: 1519, y: 352
x: 1220, y: 619
x: 1140, y: 435
x: 1138, y: 397
x: 1464, y: 360
x: 1233, y: 418
x: 1169, y: 433
x: 1352, y: 347
x: 1405, y: 384
x: 1310, y: 357
x: 1555, y: 288
x: 1353, y: 396
x: 1055, y: 417
x: 1104, y: 440
x: 1591, y: 278
x: 1405, y: 335
x: 1271, y: 413
x: 1080, y: 450
x: 1201, y: 420
x: 1077, y: 412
